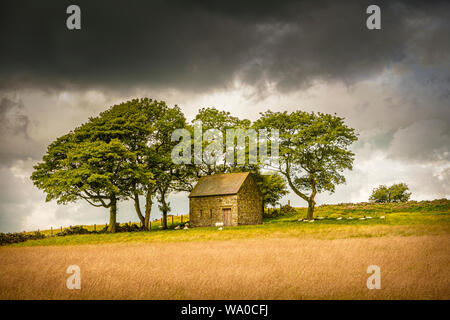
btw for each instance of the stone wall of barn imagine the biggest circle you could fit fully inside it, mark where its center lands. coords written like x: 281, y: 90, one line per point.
x: 249, y: 203
x: 206, y: 211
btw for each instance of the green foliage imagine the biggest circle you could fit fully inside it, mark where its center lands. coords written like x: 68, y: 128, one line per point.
x: 313, y: 150
x: 212, y: 118
x: 285, y: 210
x: 145, y: 126
x: 399, y: 192
x: 9, y: 238
x: 100, y: 161
x: 92, y: 170
x: 380, y: 194
x: 74, y: 230
x: 215, y: 119
x: 272, y: 186
x: 395, y: 193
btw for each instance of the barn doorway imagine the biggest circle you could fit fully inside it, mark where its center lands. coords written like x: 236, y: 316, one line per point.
x: 227, y: 216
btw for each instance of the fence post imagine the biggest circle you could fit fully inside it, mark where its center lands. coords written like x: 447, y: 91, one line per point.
x: 150, y: 226
x: 172, y: 219
x: 95, y: 227
x: 51, y: 230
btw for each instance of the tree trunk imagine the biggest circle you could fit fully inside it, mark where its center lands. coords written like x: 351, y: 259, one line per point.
x: 164, y: 219
x: 148, y: 209
x: 112, y: 215
x: 137, y: 206
x: 164, y: 211
x: 311, y: 204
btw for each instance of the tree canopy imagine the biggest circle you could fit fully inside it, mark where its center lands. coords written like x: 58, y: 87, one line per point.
x: 126, y: 153
x: 90, y: 164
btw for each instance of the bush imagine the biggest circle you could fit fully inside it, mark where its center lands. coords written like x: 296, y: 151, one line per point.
x: 74, y: 230
x: 8, y: 238
x: 124, y: 228
x: 395, y: 193
x: 128, y: 228
x: 285, y: 210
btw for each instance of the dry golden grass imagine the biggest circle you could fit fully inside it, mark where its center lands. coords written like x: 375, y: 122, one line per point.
x: 414, y: 267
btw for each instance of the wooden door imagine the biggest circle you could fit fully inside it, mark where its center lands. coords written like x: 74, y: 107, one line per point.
x: 227, y: 216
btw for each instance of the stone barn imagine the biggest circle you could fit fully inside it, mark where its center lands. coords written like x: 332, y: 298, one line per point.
x: 231, y: 198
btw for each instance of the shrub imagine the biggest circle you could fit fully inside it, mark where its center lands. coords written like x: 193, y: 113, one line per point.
x: 8, y: 238
x: 285, y: 210
x: 74, y: 230
x: 395, y: 193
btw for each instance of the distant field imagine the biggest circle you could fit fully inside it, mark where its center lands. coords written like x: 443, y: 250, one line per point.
x: 281, y: 259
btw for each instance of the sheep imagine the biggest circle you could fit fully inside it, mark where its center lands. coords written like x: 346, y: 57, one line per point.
x: 382, y: 217
x: 220, y: 228
x: 312, y: 220
x: 177, y: 228
x: 319, y: 218
x: 349, y: 218
x: 185, y: 227
x: 340, y: 218
x: 369, y: 217
x: 362, y: 218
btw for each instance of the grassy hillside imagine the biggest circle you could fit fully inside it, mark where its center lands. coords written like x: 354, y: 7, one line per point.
x: 404, y: 219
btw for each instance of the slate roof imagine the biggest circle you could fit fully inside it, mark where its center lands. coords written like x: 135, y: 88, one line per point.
x: 219, y: 184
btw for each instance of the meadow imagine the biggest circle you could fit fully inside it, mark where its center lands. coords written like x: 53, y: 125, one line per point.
x: 283, y: 258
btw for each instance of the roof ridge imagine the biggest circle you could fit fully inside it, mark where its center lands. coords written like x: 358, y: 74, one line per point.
x: 219, y: 184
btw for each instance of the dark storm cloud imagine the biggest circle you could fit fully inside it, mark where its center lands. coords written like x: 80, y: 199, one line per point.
x: 205, y: 44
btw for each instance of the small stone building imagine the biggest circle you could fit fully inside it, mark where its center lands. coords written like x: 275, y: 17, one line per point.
x: 231, y: 198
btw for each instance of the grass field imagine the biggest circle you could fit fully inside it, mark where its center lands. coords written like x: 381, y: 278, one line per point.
x: 281, y: 259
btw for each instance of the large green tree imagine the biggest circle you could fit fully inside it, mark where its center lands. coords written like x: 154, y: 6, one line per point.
x: 144, y: 126
x: 169, y: 176
x: 313, y: 151
x: 135, y: 124
x: 79, y: 165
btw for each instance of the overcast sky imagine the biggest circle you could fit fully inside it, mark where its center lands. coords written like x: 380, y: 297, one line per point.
x: 392, y: 85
